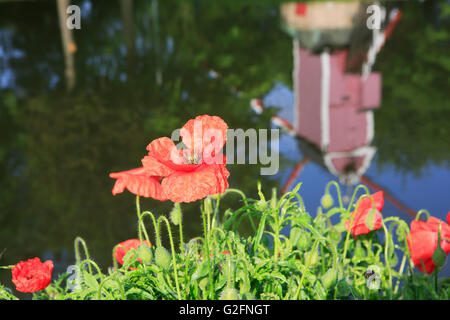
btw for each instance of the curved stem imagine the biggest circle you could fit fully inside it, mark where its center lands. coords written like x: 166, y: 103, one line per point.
x: 79, y: 240
x: 338, y: 190
x: 174, y: 259
x: 155, y: 226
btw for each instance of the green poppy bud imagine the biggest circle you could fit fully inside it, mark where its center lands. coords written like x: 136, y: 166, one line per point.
x: 175, y: 215
x: 326, y: 201
x: 295, y: 235
x: 303, y: 240
x: 229, y: 294
x: 329, y: 279
x: 162, y: 257
x: 312, y: 257
x: 145, y: 254
x: 334, y: 235
x: 370, y: 219
x: 439, y: 257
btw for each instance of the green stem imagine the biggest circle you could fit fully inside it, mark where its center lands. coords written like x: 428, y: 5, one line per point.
x: 79, y: 240
x: 306, y: 268
x: 338, y: 190
x: 180, y: 225
x: 387, y: 240
x: 352, y: 217
x: 138, y: 210
x: 206, y: 234
x: 172, y: 247
x: 155, y: 226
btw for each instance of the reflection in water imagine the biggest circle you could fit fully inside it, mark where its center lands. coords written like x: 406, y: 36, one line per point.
x: 144, y: 67
x: 333, y: 104
x: 335, y: 91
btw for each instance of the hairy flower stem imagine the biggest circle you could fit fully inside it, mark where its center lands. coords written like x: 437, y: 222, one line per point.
x: 180, y: 227
x: 172, y: 248
x: 79, y: 240
x: 386, y: 256
x: 205, y: 211
x: 338, y: 190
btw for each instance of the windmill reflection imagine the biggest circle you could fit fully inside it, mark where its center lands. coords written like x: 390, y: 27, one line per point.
x: 335, y: 89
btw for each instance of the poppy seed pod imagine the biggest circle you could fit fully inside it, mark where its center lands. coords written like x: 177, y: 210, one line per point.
x: 162, y: 257
x: 326, y: 201
x: 229, y: 294
x: 329, y: 279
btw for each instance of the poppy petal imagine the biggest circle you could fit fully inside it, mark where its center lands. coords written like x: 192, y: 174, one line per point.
x: 139, y: 182
x: 191, y: 186
x: 422, y: 245
x: 203, y: 130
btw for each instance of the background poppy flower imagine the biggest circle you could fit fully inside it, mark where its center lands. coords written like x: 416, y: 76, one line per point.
x: 32, y: 275
x: 422, y: 242
x: 122, y: 248
x: 364, y: 219
x: 181, y: 175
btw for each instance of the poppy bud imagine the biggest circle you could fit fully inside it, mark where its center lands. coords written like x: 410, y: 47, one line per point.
x: 162, y: 257
x: 175, y: 215
x: 370, y: 219
x: 303, y: 240
x: 334, y: 235
x: 145, y: 254
x: 295, y: 235
x: 314, y: 256
x: 329, y: 279
x: 439, y: 257
x: 326, y: 201
x: 229, y: 294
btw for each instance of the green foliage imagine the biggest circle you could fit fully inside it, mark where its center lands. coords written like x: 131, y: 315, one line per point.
x: 284, y: 267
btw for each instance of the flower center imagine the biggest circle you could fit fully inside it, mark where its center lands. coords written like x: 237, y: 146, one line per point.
x: 192, y: 158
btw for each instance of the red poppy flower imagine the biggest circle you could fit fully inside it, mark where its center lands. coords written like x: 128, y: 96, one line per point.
x: 364, y: 213
x: 422, y: 242
x: 181, y: 175
x: 32, y: 275
x: 125, y: 246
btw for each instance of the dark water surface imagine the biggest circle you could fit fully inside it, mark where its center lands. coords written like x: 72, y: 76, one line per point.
x: 141, y: 69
